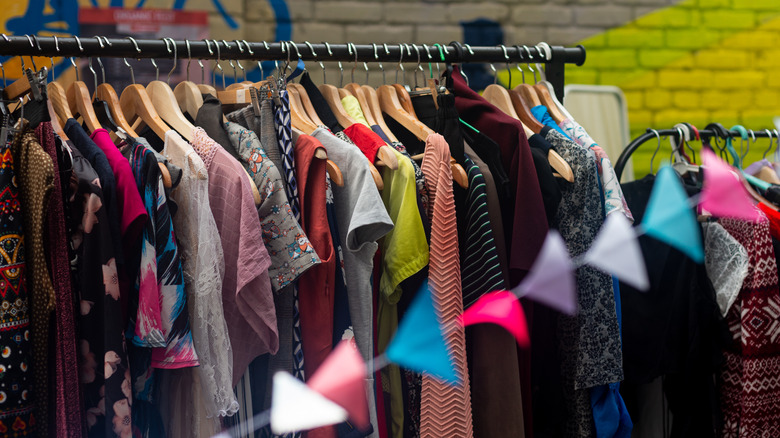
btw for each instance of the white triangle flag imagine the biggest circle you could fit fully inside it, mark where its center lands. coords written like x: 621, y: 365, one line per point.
x: 295, y: 406
x: 616, y: 251
x: 551, y: 278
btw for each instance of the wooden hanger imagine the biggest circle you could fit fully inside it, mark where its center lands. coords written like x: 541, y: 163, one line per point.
x: 529, y: 95
x: 331, y: 94
x: 405, y: 99
x: 390, y: 104
x: 307, y: 105
x: 18, y: 88
x: 357, y: 91
x: 106, y: 93
x: 547, y: 101
x: 523, y: 111
x: 532, y: 126
x: 166, y: 105
x: 59, y: 111
x: 499, y: 97
x: 298, y: 116
x: 207, y: 89
x: 376, y: 110
x: 136, y: 104
x: 321, y: 153
x: 189, y: 97
x: 80, y: 103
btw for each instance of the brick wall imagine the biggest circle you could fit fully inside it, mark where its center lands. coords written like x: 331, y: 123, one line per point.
x: 690, y: 60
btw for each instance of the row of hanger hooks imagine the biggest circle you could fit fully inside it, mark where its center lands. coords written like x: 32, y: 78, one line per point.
x: 526, y: 55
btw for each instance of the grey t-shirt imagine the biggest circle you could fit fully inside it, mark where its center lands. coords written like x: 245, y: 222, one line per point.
x: 362, y: 220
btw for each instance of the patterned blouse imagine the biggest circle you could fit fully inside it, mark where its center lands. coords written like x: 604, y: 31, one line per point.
x: 610, y: 185
x: 16, y: 407
x: 290, y: 250
x: 105, y: 374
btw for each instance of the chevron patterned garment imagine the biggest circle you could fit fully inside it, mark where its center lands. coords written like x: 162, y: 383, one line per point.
x: 445, y: 410
x: 750, y: 386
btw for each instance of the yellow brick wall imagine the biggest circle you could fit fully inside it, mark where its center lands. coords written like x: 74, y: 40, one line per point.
x: 699, y: 61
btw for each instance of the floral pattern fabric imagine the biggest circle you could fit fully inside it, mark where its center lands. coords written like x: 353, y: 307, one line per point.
x: 162, y: 316
x: 104, y: 371
x: 614, y: 201
x: 290, y: 250
x: 16, y: 407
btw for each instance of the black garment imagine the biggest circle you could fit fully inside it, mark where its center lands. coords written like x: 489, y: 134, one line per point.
x: 549, y: 185
x: 210, y: 118
x: 772, y: 194
x: 410, y: 141
x: 444, y: 120
x: 99, y: 162
x: 489, y: 152
x: 673, y: 330
x: 320, y: 104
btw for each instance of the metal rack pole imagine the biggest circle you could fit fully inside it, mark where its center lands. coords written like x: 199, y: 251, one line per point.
x: 621, y: 162
x: 237, y: 49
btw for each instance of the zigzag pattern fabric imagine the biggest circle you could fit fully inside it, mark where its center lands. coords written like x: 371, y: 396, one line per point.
x: 750, y: 389
x: 445, y: 410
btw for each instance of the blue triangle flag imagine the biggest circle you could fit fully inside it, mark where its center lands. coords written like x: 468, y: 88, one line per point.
x: 419, y: 343
x: 669, y: 217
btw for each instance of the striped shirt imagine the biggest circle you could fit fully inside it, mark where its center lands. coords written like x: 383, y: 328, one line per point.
x: 480, y: 267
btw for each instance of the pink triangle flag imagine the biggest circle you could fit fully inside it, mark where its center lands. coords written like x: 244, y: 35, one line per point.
x: 723, y: 194
x: 502, y: 308
x: 616, y: 251
x: 551, y: 279
x: 341, y: 378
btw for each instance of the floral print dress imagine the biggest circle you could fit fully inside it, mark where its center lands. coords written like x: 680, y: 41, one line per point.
x: 103, y: 364
x: 16, y: 408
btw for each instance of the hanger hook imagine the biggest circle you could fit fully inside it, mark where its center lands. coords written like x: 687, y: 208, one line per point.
x: 189, y: 57
x: 219, y: 66
x: 330, y: 53
x: 230, y: 63
x: 520, y: 54
x: 418, y: 66
x: 506, y: 58
x: 354, y: 64
x: 769, y: 134
x: 400, y: 63
x: 156, y: 70
x: 777, y: 141
x: 75, y: 67
x: 175, y: 57
x: 92, y: 70
x: 528, y: 61
x: 29, y: 38
x: 657, y: 148
x: 238, y: 61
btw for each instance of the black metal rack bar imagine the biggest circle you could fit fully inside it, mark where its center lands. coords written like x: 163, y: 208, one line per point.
x: 555, y: 58
x: 621, y: 162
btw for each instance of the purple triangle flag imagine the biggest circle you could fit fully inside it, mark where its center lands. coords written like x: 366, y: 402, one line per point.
x: 616, y: 251
x: 551, y: 279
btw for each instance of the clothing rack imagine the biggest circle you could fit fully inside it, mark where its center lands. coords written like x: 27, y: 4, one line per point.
x: 712, y: 131
x: 554, y: 57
